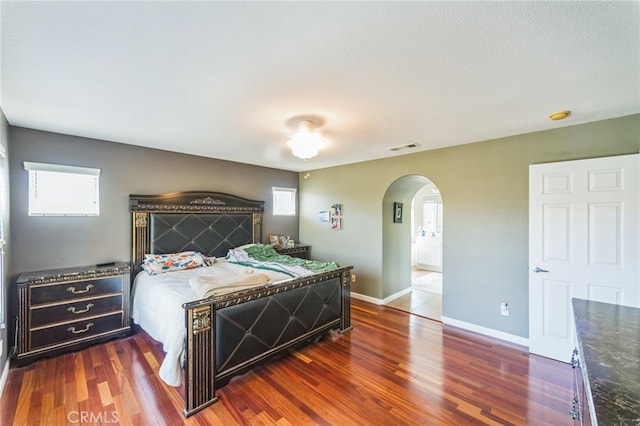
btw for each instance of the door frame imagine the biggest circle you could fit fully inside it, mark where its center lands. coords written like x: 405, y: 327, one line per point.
x: 574, y: 191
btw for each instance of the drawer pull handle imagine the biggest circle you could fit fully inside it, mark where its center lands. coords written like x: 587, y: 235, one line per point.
x: 84, y: 330
x: 73, y: 289
x: 575, y: 361
x: 72, y: 309
x: 575, y: 408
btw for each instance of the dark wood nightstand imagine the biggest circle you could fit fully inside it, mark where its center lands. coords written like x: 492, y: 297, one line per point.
x: 299, y: 250
x: 68, y: 309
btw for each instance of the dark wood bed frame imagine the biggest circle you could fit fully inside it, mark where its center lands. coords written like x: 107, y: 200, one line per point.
x: 230, y: 334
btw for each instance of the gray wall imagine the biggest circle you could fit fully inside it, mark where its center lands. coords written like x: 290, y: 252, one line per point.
x: 52, y: 242
x: 4, y: 211
x: 484, y: 187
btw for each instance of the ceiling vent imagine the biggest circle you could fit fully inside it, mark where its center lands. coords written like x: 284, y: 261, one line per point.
x: 403, y: 147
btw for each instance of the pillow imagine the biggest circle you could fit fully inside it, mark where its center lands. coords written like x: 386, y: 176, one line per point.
x: 159, y: 263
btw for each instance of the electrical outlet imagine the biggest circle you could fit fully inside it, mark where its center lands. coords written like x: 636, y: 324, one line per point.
x: 353, y: 278
x: 504, y: 309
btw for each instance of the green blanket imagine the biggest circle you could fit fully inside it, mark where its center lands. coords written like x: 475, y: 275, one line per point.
x: 266, y: 253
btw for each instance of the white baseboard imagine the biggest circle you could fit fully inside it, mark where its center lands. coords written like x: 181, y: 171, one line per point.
x: 497, y: 334
x: 3, y: 377
x: 396, y: 295
x: 384, y: 301
x: 367, y: 298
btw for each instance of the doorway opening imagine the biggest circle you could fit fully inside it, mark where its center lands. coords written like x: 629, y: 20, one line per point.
x: 424, y: 294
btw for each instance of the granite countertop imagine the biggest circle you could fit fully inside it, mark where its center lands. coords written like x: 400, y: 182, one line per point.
x: 609, y: 345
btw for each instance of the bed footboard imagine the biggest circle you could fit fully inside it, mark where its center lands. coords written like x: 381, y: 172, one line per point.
x: 257, y: 325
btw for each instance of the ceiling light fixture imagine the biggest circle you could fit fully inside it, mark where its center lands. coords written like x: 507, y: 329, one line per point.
x: 560, y: 115
x: 306, y: 142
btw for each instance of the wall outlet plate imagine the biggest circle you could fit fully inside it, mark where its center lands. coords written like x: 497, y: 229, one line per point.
x: 504, y: 309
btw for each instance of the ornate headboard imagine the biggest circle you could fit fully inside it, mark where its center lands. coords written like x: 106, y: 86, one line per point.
x: 208, y: 222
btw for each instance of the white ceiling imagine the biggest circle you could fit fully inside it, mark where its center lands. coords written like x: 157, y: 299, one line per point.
x: 221, y: 79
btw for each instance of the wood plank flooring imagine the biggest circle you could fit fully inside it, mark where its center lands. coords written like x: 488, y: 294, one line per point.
x: 393, y: 368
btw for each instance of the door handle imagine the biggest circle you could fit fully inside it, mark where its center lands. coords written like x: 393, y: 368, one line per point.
x: 537, y: 270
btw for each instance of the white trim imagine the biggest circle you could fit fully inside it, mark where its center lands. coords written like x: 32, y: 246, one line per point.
x: 279, y: 191
x: 496, y: 334
x: 381, y: 301
x: 396, y: 295
x: 57, y: 190
x: 59, y: 168
x: 367, y: 298
x: 5, y: 374
x: 284, y: 189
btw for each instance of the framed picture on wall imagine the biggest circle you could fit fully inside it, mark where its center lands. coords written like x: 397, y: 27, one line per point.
x: 397, y: 212
x: 274, y: 240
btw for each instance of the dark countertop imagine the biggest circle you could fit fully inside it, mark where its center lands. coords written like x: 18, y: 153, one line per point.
x: 609, y: 345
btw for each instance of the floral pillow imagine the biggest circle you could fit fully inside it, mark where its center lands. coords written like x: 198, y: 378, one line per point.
x: 159, y: 263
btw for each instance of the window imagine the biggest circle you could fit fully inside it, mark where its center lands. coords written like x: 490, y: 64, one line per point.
x: 56, y: 190
x: 284, y: 201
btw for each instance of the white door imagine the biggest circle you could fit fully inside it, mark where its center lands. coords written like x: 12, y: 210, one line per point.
x: 583, y: 243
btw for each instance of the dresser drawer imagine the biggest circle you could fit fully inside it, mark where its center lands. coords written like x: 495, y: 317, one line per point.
x: 296, y: 251
x: 67, y: 309
x: 74, y: 290
x: 75, y: 310
x: 75, y: 330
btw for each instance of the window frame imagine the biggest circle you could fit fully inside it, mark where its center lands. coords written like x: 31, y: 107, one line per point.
x: 275, y: 190
x: 36, y: 208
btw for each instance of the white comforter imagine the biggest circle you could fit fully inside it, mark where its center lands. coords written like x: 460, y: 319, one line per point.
x: 157, y: 307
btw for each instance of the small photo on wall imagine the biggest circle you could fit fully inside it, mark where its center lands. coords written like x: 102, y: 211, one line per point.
x: 336, y: 210
x: 397, y: 212
x: 336, y: 223
x: 323, y: 215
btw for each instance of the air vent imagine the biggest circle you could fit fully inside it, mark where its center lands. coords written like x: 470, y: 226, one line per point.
x: 403, y: 147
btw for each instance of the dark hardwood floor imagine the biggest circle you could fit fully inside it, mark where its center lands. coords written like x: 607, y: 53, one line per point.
x: 393, y: 368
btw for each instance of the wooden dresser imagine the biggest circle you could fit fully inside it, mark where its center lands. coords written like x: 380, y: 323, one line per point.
x: 67, y: 309
x: 298, y: 250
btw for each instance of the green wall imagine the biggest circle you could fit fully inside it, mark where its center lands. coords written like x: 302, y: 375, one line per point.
x: 484, y: 187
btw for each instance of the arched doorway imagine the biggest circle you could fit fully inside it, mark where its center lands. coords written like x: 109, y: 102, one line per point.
x: 427, y: 235
x: 412, y: 247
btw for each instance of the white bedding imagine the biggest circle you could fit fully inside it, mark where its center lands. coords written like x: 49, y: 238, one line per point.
x: 157, y: 307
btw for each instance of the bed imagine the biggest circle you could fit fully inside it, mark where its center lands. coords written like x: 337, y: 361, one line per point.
x: 227, y: 333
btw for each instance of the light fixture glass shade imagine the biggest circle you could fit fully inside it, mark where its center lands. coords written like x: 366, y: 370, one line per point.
x: 305, y: 144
